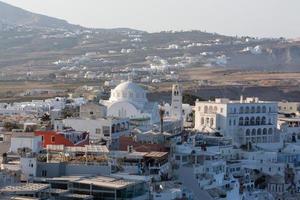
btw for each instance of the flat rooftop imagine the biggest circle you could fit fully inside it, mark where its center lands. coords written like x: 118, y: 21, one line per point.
x: 86, y: 148
x: 101, y: 181
x: 24, y: 188
x: 107, y: 182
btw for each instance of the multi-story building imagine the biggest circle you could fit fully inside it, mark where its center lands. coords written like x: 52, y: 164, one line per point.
x: 247, y: 120
x: 289, y: 107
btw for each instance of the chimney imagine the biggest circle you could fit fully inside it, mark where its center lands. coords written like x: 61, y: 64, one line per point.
x: 241, y: 99
x: 161, y: 115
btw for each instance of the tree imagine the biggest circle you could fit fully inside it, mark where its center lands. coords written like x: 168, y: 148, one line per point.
x: 190, y: 99
x: 52, y: 76
x: 45, y: 117
x: 9, y: 126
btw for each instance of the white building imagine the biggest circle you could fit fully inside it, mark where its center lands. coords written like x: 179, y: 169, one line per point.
x: 109, y: 129
x: 247, y: 120
x: 128, y: 100
x: 25, y: 140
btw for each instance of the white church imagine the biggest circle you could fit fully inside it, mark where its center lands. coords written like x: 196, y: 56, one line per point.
x: 129, y: 100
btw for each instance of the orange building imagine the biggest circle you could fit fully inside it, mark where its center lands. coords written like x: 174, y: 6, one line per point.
x: 67, y: 138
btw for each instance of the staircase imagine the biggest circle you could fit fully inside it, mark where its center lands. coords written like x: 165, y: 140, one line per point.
x: 187, y: 178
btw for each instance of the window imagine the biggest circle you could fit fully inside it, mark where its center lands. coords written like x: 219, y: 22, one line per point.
x: 247, y: 121
x: 52, y: 139
x: 98, y: 131
x: 106, y: 131
x: 247, y: 110
x: 241, y: 110
x: 91, y: 113
x: 241, y: 121
x: 44, y: 173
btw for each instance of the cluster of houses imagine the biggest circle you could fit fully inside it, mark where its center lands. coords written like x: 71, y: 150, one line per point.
x: 127, y: 147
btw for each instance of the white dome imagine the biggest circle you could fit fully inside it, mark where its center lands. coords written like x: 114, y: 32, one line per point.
x: 129, y: 91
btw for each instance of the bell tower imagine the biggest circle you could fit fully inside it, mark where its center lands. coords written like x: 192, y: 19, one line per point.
x: 176, y: 106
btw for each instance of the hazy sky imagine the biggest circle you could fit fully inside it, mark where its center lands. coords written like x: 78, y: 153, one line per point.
x: 263, y: 18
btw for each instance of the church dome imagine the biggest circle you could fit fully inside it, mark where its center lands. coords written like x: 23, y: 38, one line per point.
x: 129, y: 91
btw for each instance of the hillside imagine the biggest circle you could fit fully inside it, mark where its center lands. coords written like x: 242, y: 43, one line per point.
x: 16, y: 16
x: 38, y: 41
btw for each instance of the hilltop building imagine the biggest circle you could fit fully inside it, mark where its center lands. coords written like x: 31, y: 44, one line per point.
x: 247, y: 120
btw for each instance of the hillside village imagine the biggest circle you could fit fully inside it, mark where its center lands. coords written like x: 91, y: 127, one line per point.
x: 133, y: 148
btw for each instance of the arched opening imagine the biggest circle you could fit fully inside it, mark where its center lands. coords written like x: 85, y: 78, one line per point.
x: 205, y: 109
x: 265, y: 131
x: 264, y: 109
x: 263, y: 120
x: 202, y: 120
x: 248, y: 132
x: 241, y: 121
x: 253, y: 132
x: 247, y: 110
x: 257, y: 120
x: 252, y: 121
x: 211, y: 122
x: 215, y: 108
x: 258, y: 109
x: 246, y: 121
x: 210, y: 109
x: 252, y: 109
x: 259, y: 131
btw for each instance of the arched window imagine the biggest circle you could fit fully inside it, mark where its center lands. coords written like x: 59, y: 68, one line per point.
x: 259, y: 131
x: 248, y: 132
x: 258, y: 109
x: 246, y: 121
x: 230, y: 122
x: 210, y: 109
x: 211, y: 122
x: 264, y: 109
x: 215, y: 108
x: 270, y: 109
x: 253, y: 132
x: 252, y: 109
x: 265, y: 131
x: 247, y: 110
x: 263, y: 120
x: 205, y: 109
x: 202, y: 120
x: 257, y: 120
x: 241, y: 110
x: 241, y: 121
x: 252, y: 121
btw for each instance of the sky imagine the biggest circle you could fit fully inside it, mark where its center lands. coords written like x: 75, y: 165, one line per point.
x: 257, y: 18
